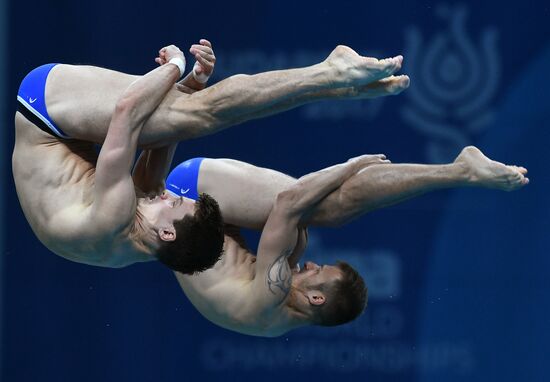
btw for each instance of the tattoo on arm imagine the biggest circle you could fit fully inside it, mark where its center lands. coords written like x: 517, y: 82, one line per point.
x: 279, y: 275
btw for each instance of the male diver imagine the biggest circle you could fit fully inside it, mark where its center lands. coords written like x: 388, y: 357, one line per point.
x: 92, y: 212
x: 88, y: 209
x: 268, y: 294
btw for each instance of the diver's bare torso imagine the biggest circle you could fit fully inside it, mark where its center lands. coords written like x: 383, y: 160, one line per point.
x: 54, y: 180
x: 224, y: 294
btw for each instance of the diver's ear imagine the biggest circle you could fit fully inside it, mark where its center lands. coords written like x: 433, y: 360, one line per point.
x: 316, y: 297
x: 167, y: 233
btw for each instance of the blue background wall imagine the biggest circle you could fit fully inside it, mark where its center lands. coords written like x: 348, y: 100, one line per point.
x: 458, y: 287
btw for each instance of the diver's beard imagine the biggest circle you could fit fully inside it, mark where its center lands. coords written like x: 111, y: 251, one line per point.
x: 299, y: 309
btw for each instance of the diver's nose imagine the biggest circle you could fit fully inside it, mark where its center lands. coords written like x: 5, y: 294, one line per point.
x: 309, y: 265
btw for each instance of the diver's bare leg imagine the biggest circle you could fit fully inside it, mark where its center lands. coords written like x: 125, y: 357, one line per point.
x: 382, y: 185
x: 246, y: 193
x: 392, y: 85
x: 243, y: 97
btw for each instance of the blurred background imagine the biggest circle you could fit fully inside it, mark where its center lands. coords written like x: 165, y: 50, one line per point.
x: 457, y: 279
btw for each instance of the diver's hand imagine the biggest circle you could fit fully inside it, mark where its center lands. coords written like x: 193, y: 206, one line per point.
x: 204, y: 66
x: 169, y: 52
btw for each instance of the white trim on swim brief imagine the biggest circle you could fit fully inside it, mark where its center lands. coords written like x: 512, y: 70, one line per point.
x: 42, y: 118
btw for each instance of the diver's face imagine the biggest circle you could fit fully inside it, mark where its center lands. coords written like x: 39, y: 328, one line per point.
x: 312, y: 275
x: 163, y: 209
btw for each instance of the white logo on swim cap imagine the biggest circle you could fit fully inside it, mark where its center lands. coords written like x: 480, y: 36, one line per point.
x: 184, y: 192
x: 31, y: 100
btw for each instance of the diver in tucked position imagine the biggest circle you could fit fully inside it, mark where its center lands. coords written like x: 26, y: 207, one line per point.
x: 268, y: 294
x: 88, y: 209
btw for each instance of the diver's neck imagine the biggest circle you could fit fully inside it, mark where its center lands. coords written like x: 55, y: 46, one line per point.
x: 142, y: 236
x: 292, y: 315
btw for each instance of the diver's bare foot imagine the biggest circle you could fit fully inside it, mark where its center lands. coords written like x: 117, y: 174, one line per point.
x: 485, y: 172
x: 391, y: 85
x: 350, y: 69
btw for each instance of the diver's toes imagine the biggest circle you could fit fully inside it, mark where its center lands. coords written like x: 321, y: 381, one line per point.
x: 523, y: 170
